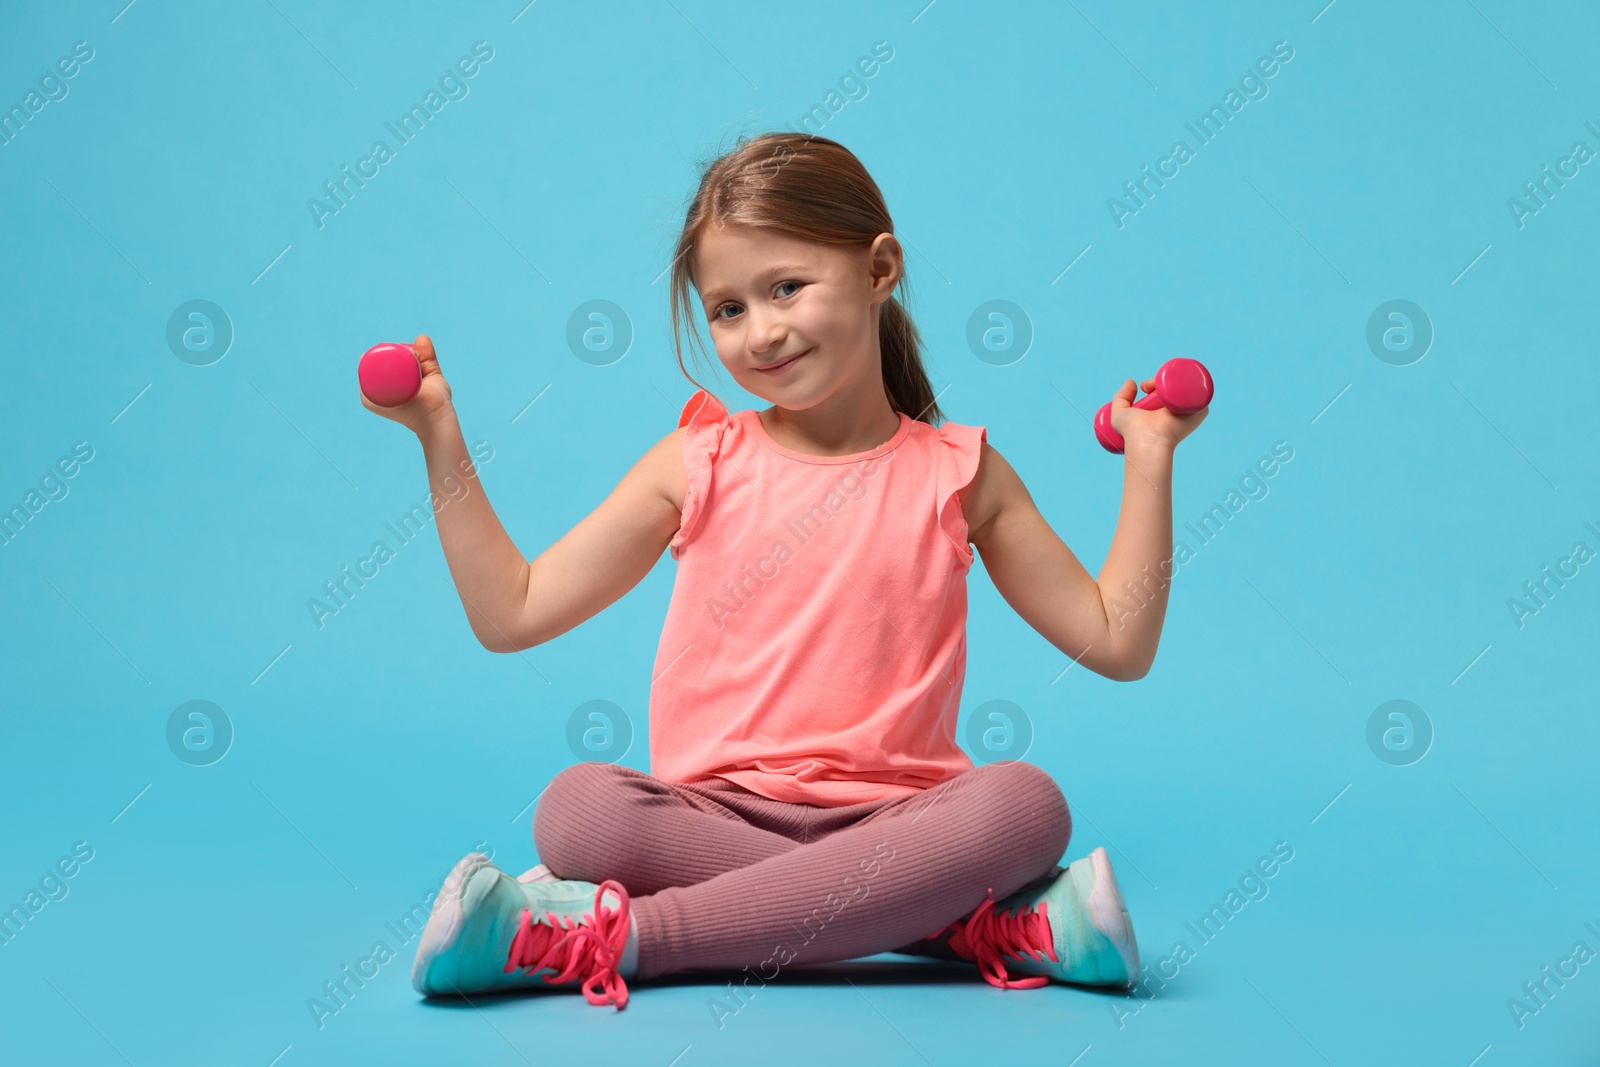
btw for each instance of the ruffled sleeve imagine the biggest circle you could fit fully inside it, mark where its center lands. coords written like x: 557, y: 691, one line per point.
x: 704, y: 420
x: 957, y: 449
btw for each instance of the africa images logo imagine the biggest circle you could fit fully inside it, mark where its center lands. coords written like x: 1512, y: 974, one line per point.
x: 452, y: 86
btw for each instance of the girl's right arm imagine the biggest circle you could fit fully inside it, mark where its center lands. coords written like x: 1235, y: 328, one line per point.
x: 512, y: 603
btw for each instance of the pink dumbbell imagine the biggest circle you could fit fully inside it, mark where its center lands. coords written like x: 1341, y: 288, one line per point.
x: 1183, y: 386
x: 389, y: 374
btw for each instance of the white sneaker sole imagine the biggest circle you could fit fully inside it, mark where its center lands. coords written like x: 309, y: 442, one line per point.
x: 1110, y: 915
x: 444, y: 921
x: 539, y: 873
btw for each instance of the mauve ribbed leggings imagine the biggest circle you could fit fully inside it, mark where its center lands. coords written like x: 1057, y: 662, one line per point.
x: 719, y: 877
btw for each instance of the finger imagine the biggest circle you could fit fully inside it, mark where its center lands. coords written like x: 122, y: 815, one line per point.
x: 1148, y: 385
x: 423, y: 348
x: 1125, y: 395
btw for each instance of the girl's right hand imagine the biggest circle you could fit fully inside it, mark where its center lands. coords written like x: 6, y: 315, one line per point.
x: 432, y: 401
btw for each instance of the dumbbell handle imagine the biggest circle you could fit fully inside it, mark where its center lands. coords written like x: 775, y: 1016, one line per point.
x: 1149, y: 402
x: 1182, y: 386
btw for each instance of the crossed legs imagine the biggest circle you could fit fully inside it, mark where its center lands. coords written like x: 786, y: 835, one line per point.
x: 722, y: 878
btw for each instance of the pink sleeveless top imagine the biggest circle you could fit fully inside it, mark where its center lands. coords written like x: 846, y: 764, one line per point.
x: 815, y: 647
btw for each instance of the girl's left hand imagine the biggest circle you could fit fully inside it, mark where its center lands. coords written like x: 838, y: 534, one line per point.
x: 1141, y: 428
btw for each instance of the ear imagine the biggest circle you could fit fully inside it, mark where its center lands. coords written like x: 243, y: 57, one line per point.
x: 885, y: 265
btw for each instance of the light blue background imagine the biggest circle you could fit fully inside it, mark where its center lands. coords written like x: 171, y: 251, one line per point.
x: 376, y: 750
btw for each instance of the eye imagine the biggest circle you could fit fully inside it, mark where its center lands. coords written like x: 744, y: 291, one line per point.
x: 718, y: 312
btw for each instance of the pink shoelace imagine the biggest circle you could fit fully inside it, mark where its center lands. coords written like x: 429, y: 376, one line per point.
x: 987, y: 935
x: 590, y: 949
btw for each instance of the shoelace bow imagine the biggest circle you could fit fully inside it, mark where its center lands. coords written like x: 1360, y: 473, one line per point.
x: 577, y: 947
x: 988, y: 935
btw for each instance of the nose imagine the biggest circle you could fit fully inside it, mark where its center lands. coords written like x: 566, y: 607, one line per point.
x: 765, y: 330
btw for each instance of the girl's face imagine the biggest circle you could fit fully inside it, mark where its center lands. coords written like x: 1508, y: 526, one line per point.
x: 794, y: 321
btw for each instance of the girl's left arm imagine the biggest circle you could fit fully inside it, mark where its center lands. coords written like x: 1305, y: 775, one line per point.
x: 1111, y: 623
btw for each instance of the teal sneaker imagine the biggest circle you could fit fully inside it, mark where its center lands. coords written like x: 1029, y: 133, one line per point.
x: 490, y: 932
x: 1069, y: 925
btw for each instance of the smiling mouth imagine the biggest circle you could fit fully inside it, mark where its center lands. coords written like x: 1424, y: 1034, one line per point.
x: 776, y: 367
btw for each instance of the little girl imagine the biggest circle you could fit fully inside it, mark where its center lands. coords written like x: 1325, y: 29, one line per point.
x: 808, y: 800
